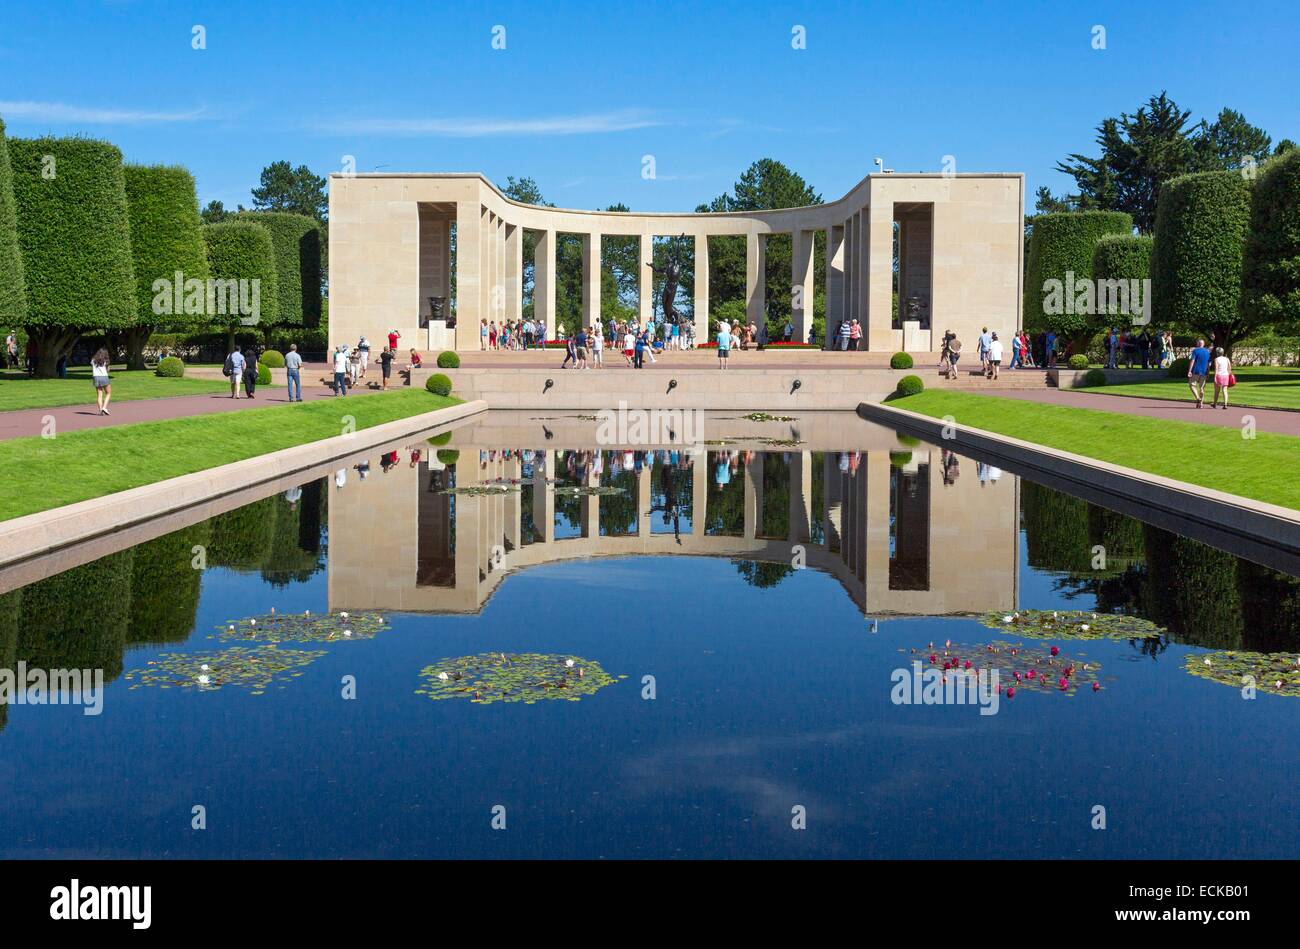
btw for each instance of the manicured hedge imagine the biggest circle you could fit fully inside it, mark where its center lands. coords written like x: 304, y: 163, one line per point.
x: 166, y: 238
x: 263, y: 374
x: 1095, y: 377
x: 909, y: 385
x: 448, y: 359
x: 75, y: 238
x: 165, y: 586
x: 1061, y: 244
x: 1201, y: 224
x: 1271, y: 267
x: 438, y: 384
x: 448, y: 456
x: 1078, y: 361
x: 900, y: 361
x: 1124, y: 257
x: 1178, y: 368
x: 242, y: 250
x: 171, y: 367
x: 297, y: 241
x: 273, y: 358
x: 13, y: 292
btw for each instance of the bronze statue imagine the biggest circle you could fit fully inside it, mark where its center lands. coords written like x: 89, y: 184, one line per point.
x: 671, y: 272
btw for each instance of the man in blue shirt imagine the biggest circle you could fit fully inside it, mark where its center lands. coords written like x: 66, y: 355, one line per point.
x: 235, y: 366
x: 1197, y: 368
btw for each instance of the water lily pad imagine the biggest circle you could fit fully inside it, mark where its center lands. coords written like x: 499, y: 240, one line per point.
x: 1072, y: 624
x: 252, y: 668
x: 766, y: 417
x: 587, y: 491
x: 482, y: 490
x: 304, y: 627
x: 1277, y: 673
x: 1024, y: 667
x: 513, y: 677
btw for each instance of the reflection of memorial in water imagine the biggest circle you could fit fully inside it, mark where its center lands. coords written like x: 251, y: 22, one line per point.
x: 903, y: 533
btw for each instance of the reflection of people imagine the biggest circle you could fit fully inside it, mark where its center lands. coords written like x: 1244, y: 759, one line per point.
x: 951, y: 468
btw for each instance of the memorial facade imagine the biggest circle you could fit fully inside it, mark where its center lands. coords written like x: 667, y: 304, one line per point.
x: 953, y: 243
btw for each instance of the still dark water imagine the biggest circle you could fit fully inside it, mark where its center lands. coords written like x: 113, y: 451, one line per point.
x: 771, y: 683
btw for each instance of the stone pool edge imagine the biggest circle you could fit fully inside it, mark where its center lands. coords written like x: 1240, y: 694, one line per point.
x: 1257, y: 521
x: 44, y: 532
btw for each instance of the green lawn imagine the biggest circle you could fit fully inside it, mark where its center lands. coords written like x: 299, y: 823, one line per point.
x: 17, y: 391
x: 1261, y: 387
x: 44, y: 473
x: 1263, y: 468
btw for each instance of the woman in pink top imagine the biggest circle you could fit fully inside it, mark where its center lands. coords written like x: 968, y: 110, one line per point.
x: 1222, y: 377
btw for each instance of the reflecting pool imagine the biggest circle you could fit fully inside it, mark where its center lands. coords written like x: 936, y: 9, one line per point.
x: 512, y: 641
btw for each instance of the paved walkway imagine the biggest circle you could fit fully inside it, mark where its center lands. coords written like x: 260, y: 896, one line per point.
x: 71, y: 418
x: 1266, y: 420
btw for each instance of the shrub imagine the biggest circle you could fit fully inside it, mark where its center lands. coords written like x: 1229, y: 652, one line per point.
x: 171, y: 368
x: 448, y: 456
x: 1178, y: 368
x: 909, y: 441
x: 263, y: 374
x: 1078, y: 361
x: 448, y: 360
x: 1123, y: 258
x: 900, y: 361
x: 909, y: 385
x: 272, y: 358
x: 166, y: 238
x: 438, y: 384
x: 13, y: 290
x: 74, y: 239
x: 1062, y: 244
x: 242, y: 250
x: 899, y: 459
x: 1270, y: 276
x: 1095, y: 377
x: 1196, y: 273
x: 441, y: 438
x: 297, y: 242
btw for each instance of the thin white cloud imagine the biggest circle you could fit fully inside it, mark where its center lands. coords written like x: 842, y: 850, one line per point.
x: 61, y: 112
x: 621, y: 121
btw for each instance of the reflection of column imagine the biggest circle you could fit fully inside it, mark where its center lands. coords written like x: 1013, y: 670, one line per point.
x: 755, y: 279
x: 645, y: 279
x: 544, y: 498
x: 701, y: 287
x: 643, y: 497
x: 513, y: 505
x: 849, y: 522
x: 467, y: 299
x: 801, y: 282
x: 514, y: 272
x: 861, y: 506
x: 753, y: 470
x: 832, y: 482
x: 590, y: 279
x: 834, y: 282
x: 801, y: 478
x: 875, y: 469
x: 544, y: 281
x: 699, y: 491
x: 590, y: 505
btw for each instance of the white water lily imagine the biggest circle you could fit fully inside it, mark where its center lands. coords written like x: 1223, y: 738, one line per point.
x: 1207, y: 660
x: 347, y: 632
x: 204, y: 667
x: 1006, y: 619
x: 569, y: 663
x: 343, y: 615
x: 443, y: 676
x: 232, y: 627
x: 306, y: 612
x: 1084, y: 627
x: 252, y: 622
x: 203, y: 680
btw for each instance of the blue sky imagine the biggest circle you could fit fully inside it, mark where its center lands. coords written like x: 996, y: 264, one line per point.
x: 582, y: 91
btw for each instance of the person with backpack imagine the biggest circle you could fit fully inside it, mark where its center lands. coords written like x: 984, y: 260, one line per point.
x: 234, y: 370
x: 250, y: 373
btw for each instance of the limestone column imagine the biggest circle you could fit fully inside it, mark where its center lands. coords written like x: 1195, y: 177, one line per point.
x: 590, y: 279
x: 878, y: 315
x: 834, y: 282
x: 755, y: 279
x: 514, y: 272
x: 701, y: 288
x: 544, y: 281
x: 499, y: 271
x: 468, y: 300
x: 645, y: 280
x: 865, y: 281
x: 488, y: 245
x: 699, y: 492
x: 850, y: 270
x: 801, y: 283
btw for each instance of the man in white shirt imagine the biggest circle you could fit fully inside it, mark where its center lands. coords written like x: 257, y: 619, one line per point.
x: 995, y: 356
x: 341, y: 371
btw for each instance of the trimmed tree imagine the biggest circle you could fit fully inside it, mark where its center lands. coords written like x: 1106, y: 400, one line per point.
x: 70, y: 195
x: 245, y: 287
x: 166, y: 248
x: 13, y: 290
x: 297, y: 241
x: 1059, y: 291
x: 1120, y: 265
x: 1271, y: 267
x: 1201, y: 225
